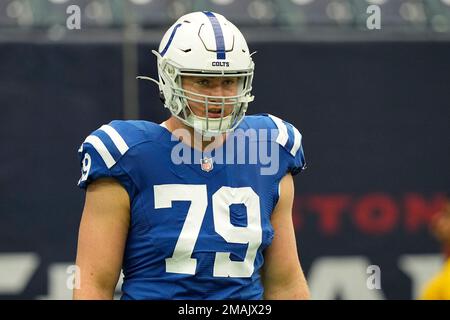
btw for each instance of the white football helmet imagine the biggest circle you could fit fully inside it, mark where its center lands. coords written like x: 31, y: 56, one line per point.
x: 204, y: 44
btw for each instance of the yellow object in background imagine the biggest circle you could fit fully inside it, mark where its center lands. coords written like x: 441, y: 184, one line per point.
x: 438, y: 288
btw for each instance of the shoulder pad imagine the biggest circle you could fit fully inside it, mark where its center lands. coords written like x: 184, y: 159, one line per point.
x: 286, y: 134
x: 113, y: 140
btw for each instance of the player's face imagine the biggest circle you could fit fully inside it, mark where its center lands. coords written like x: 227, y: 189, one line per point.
x: 211, y: 86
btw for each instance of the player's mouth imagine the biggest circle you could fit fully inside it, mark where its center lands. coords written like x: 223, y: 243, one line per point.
x: 214, y: 113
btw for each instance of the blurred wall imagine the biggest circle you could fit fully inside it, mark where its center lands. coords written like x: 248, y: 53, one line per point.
x: 375, y: 123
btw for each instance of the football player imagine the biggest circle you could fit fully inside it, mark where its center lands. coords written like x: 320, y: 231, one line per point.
x: 183, y: 207
x: 438, y: 287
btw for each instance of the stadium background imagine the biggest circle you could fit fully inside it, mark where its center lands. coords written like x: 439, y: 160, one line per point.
x: 372, y: 105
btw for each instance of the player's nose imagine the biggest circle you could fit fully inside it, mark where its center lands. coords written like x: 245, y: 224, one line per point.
x: 217, y: 90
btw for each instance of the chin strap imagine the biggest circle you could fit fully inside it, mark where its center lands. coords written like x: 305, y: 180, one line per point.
x: 199, y: 124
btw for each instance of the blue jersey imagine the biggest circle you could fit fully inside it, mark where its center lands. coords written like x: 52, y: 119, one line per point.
x: 199, y: 222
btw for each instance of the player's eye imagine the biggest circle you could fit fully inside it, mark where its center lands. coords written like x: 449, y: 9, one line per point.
x: 229, y: 82
x: 203, y: 82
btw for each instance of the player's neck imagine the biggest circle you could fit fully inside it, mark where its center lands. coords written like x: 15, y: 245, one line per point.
x: 193, y: 139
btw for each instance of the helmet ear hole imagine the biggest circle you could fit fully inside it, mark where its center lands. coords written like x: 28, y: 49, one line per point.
x: 162, y: 97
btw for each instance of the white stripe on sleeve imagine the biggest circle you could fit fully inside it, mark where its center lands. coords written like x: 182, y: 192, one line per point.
x: 101, y: 149
x: 282, y: 137
x: 297, y: 141
x: 116, y: 138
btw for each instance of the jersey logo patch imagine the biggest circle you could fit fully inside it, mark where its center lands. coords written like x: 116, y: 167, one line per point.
x: 207, y: 164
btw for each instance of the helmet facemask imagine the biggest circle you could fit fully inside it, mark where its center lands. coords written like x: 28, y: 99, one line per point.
x: 178, y: 99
